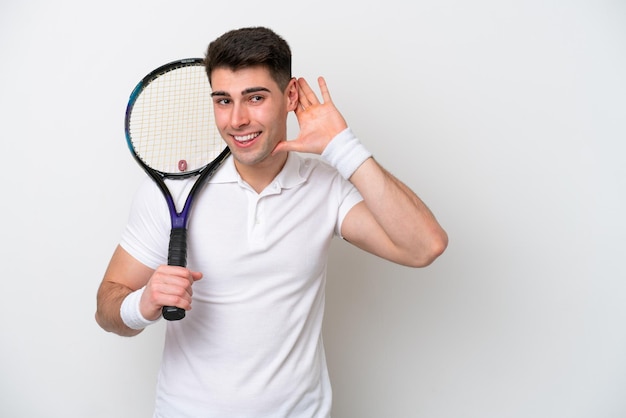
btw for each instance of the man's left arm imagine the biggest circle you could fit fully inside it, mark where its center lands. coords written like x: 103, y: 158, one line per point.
x: 392, y: 221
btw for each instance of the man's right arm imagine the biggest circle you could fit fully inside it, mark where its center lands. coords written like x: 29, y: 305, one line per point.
x: 123, y: 276
x: 165, y: 286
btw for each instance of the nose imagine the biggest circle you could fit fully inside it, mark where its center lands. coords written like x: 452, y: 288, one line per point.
x: 239, y: 116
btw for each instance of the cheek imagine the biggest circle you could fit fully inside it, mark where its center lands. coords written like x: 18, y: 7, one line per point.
x: 221, y: 120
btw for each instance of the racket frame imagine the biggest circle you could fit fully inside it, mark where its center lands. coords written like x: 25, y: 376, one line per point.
x: 177, y: 251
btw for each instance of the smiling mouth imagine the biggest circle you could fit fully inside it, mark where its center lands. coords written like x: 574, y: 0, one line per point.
x: 243, y: 139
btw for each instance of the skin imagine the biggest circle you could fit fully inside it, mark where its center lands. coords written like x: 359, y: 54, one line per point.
x: 248, y: 103
x: 251, y: 114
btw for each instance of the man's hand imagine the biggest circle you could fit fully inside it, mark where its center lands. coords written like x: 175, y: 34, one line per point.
x: 319, y: 122
x: 168, y: 286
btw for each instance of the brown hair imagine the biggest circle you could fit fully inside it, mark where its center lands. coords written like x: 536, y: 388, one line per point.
x: 251, y: 47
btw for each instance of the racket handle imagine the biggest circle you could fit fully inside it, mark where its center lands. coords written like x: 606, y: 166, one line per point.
x: 173, y: 313
x: 177, y: 256
x: 177, y: 253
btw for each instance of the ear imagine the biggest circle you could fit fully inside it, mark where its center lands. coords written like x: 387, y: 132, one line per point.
x: 292, y: 94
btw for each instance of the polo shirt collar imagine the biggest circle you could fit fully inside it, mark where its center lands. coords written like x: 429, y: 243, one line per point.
x: 293, y: 173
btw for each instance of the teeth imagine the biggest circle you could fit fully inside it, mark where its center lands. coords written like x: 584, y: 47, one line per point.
x: 246, y: 137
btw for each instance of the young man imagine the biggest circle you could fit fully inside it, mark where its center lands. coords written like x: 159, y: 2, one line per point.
x: 258, y: 243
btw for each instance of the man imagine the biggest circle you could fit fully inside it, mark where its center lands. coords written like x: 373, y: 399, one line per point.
x: 250, y: 345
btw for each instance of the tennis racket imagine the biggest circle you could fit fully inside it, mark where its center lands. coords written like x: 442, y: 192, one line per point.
x: 171, y: 132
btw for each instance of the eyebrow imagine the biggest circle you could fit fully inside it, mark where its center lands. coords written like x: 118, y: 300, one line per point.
x: 243, y: 92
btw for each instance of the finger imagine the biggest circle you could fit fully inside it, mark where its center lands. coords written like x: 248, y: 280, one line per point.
x: 300, y: 108
x: 303, y: 102
x: 324, y: 90
x: 159, y: 294
x: 168, y: 279
x: 174, y: 294
x: 172, y: 285
x: 306, y: 93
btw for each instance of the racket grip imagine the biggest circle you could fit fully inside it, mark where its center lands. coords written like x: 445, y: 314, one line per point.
x: 172, y: 313
x: 177, y: 253
x: 177, y: 256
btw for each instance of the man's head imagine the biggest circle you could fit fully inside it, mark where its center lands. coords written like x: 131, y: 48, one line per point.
x: 251, y: 47
x: 253, y: 92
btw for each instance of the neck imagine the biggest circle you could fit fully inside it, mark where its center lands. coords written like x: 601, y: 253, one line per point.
x: 260, y: 175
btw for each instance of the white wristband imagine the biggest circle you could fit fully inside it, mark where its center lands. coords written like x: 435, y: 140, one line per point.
x: 346, y: 153
x: 130, y: 313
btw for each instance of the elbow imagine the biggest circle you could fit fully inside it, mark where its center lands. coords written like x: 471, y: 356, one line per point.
x: 115, y: 326
x: 430, y: 251
x: 102, y: 322
x: 438, y: 247
x: 119, y: 329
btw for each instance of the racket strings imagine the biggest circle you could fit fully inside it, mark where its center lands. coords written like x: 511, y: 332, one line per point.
x: 172, y: 125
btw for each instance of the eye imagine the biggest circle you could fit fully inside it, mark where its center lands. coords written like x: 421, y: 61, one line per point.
x: 256, y: 98
x: 222, y: 101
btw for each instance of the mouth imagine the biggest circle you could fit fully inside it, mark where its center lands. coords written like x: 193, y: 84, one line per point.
x: 246, y: 139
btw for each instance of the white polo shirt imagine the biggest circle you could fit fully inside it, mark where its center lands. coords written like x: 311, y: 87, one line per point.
x: 251, y: 346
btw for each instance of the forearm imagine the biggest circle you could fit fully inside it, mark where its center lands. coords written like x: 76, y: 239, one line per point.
x: 109, y: 301
x: 408, y: 223
x: 393, y: 222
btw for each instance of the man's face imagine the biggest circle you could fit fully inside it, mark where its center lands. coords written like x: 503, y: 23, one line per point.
x: 251, y: 114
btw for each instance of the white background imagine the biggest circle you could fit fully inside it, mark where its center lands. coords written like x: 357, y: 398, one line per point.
x: 507, y: 117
